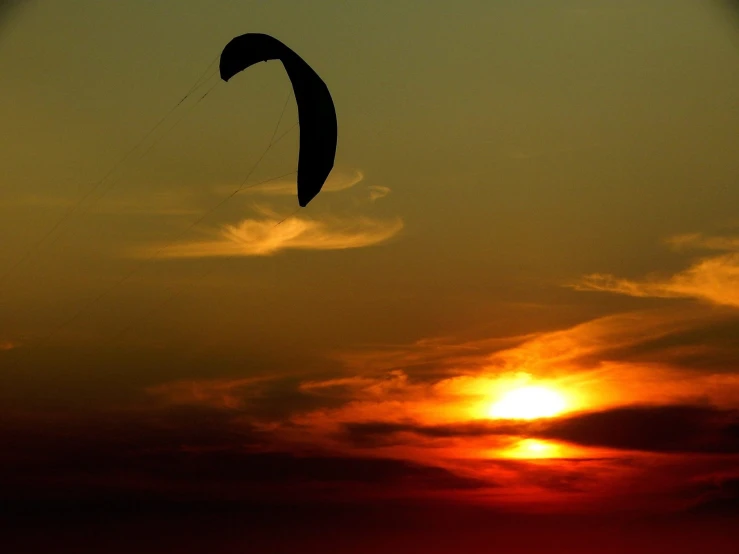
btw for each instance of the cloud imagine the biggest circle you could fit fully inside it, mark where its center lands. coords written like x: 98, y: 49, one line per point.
x: 713, y: 279
x: 337, y: 181
x: 676, y: 429
x: 184, y: 201
x: 717, y: 495
x: 376, y: 433
x: 679, y: 357
x: 652, y: 400
x: 659, y: 429
x: 213, y: 393
x: 678, y: 337
x: 701, y: 241
x: 191, y: 455
x: 430, y: 357
x: 377, y: 192
x: 656, y: 366
x: 270, y: 235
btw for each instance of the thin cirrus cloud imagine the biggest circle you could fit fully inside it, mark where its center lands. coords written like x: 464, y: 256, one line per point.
x: 217, y: 393
x: 186, y: 201
x: 378, y: 191
x: 714, y: 279
x: 338, y: 180
x: 270, y: 235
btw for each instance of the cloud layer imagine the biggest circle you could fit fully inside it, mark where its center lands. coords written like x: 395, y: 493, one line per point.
x: 338, y: 180
x: 713, y: 279
x: 270, y: 235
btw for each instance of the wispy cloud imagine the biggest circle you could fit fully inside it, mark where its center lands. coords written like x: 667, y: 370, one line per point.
x: 605, y: 363
x: 189, y: 200
x: 270, y: 235
x: 701, y: 241
x: 650, y: 357
x: 212, y: 393
x: 338, y: 180
x: 713, y: 279
x: 378, y: 191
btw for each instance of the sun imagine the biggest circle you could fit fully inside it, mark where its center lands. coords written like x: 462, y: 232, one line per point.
x: 528, y: 403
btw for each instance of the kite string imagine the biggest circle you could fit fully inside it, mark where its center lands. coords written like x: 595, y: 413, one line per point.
x: 203, y: 275
x: 62, y: 233
x: 72, y: 209
x: 286, y: 132
x: 284, y: 219
x: 141, y: 157
x: 180, y: 290
x: 194, y: 224
x: 241, y: 187
x: 279, y: 121
x: 143, y: 154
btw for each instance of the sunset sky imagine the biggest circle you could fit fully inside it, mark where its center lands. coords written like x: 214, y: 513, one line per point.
x: 510, y: 319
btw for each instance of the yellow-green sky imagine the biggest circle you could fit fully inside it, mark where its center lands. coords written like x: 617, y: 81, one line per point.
x: 532, y: 186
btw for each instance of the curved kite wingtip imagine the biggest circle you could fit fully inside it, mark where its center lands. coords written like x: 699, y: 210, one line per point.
x: 316, y: 111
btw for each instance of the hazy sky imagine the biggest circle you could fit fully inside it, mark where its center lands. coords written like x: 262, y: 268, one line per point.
x: 526, y: 194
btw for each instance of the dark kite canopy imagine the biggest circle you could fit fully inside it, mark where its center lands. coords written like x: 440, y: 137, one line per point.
x: 316, y: 112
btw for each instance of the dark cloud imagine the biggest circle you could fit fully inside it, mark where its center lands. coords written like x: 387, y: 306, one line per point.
x: 280, y: 398
x: 380, y: 433
x: 709, y: 345
x: 688, y: 429
x: 185, y: 456
x: 717, y: 496
x: 685, y: 429
x: 560, y: 476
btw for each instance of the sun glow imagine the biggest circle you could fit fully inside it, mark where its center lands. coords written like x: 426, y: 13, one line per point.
x: 528, y: 403
x: 530, y: 448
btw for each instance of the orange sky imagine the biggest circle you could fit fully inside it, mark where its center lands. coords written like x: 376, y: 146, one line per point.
x: 513, y: 305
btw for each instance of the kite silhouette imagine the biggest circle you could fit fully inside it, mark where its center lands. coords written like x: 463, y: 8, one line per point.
x: 316, y: 112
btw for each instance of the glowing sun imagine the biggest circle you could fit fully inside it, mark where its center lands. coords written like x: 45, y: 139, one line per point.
x: 528, y: 403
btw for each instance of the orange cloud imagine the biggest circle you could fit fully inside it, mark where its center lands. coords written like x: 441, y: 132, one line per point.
x: 620, y: 379
x: 270, y: 235
x: 714, y: 279
x: 635, y: 358
x: 701, y: 241
x: 624, y: 359
x: 377, y: 192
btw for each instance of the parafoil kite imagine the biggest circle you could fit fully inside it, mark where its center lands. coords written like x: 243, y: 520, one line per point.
x: 316, y: 112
